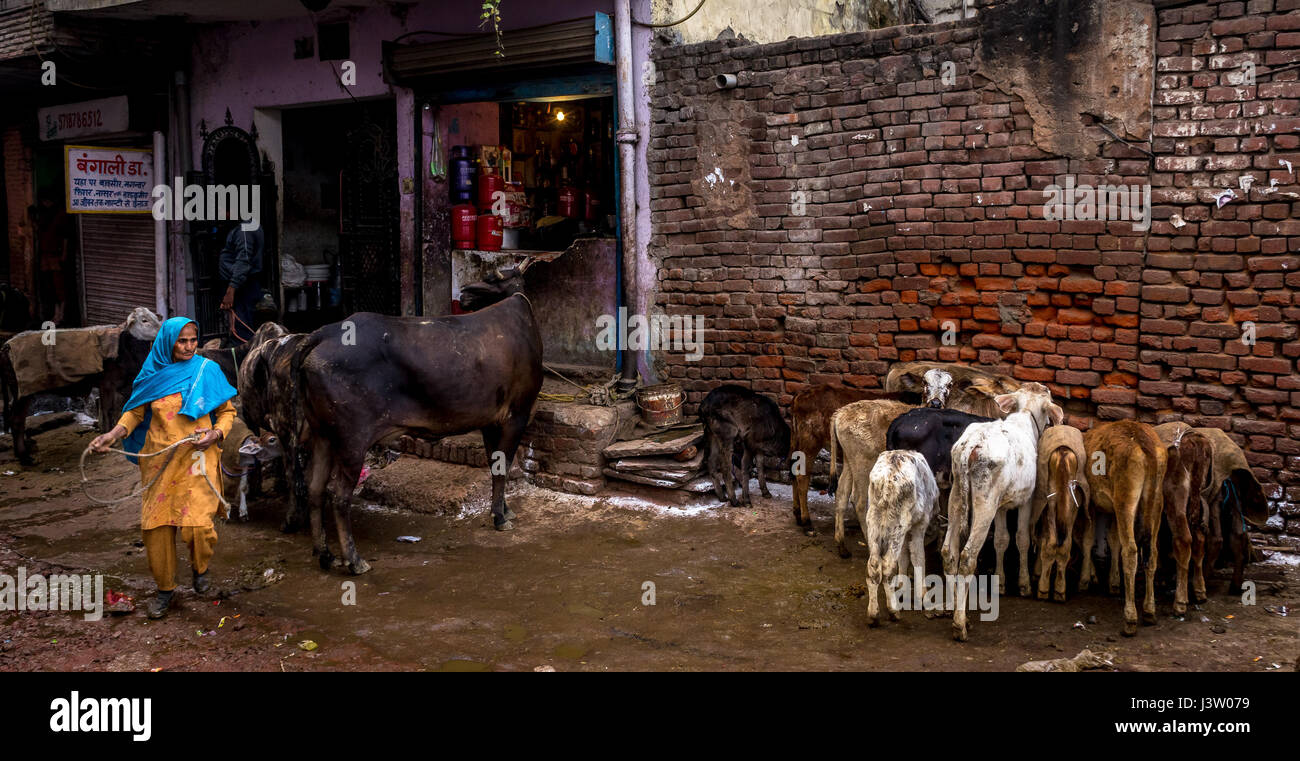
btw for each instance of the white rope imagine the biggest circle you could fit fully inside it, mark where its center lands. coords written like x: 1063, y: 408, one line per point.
x: 169, y: 448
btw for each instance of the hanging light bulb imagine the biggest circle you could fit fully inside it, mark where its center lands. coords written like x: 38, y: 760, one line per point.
x: 559, y: 116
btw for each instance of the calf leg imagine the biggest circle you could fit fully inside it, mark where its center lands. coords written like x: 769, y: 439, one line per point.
x: 875, y: 570
x: 1153, y: 560
x: 1022, y: 546
x: 1113, y: 550
x: 1088, y: 575
x: 982, y: 513
x: 1001, y: 540
x: 762, y: 476
x: 1182, y: 539
x: 1125, y: 517
x: 841, y: 504
x: 746, y: 462
x: 1063, y: 560
x: 801, y: 486
x: 728, y: 469
x: 1198, y: 565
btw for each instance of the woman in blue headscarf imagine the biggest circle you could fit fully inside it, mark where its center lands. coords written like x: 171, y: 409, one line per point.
x: 176, y: 395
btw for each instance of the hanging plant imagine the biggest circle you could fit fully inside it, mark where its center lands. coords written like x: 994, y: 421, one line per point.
x: 492, y: 12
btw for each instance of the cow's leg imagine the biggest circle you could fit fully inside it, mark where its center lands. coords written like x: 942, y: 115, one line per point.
x: 23, y: 446
x: 1182, y: 540
x: 1001, y: 540
x: 895, y: 558
x: 511, y: 434
x: 1046, y: 557
x: 1213, y: 541
x: 746, y: 462
x: 344, y: 481
x: 492, y: 438
x: 243, y: 497
x: 1088, y: 574
x: 1022, y: 545
x: 841, y: 504
x: 318, y: 479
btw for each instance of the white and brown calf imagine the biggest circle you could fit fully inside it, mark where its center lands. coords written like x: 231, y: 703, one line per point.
x: 858, y: 430
x: 239, y: 453
x: 903, y: 499
x: 994, y: 469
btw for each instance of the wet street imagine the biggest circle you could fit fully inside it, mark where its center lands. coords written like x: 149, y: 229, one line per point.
x: 734, y: 589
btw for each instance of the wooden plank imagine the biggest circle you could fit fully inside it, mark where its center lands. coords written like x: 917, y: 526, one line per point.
x: 667, y: 443
x: 635, y: 464
x: 696, y: 485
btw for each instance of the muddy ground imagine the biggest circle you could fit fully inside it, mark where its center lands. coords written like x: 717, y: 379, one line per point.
x: 736, y: 589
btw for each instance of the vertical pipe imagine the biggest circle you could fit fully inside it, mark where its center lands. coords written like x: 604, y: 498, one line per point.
x: 181, y: 287
x: 159, y: 231
x: 627, y: 138
x: 420, y: 169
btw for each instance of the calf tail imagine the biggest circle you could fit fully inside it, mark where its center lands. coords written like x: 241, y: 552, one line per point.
x: 834, y: 448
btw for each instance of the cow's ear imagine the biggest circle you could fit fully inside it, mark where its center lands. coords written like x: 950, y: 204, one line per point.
x: 1006, y: 403
x: 1055, y: 414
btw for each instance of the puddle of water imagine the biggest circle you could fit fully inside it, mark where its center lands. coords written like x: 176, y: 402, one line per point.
x: 570, y: 651
x: 515, y: 633
x: 463, y: 665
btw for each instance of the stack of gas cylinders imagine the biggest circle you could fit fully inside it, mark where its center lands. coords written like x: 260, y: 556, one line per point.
x: 488, y: 211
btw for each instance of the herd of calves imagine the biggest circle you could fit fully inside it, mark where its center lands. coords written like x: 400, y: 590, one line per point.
x: 995, y: 444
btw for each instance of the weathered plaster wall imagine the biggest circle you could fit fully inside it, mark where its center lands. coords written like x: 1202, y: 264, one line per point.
x: 771, y: 21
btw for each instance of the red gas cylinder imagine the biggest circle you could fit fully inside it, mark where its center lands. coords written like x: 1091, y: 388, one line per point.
x: 568, y: 205
x: 488, y: 186
x: 489, y: 232
x: 463, y: 217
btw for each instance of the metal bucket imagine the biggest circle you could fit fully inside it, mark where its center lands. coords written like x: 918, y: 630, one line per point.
x: 661, y: 405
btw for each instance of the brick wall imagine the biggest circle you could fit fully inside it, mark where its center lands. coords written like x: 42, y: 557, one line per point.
x: 1212, y: 269
x: 830, y: 214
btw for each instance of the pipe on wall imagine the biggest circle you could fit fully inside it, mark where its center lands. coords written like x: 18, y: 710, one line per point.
x: 627, y: 137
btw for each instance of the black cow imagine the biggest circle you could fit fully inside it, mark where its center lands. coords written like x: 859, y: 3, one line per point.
x: 372, y: 378
x: 266, y: 377
x: 734, y: 414
x: 932, y: 432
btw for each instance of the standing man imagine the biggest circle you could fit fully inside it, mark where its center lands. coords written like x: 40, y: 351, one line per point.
x: 239, y: 265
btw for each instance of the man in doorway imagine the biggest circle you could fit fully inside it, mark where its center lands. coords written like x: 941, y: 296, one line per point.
x: 239, y: 265
x: 53, y: 229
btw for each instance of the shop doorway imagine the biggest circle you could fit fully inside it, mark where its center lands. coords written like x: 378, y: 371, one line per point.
x: 341, y: 215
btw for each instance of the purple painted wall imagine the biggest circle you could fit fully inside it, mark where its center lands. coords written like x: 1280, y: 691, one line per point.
x: 247, y: 67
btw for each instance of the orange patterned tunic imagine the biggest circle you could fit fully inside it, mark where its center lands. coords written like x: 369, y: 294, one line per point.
x: 180, y: 496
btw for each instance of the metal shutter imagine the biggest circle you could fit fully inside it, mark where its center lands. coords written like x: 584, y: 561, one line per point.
x: 117, y: 259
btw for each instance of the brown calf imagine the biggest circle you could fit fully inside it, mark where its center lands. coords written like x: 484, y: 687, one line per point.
x: 1186, y: 512
x: 1060, y: 501
x: 1126, y: 485
x: 810, y: 432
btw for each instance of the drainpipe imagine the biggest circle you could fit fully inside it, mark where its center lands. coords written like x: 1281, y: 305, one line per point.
x: 627, y: 139
x: 181, y: 302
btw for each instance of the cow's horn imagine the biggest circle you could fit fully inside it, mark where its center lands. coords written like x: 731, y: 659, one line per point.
x: 528, y: 262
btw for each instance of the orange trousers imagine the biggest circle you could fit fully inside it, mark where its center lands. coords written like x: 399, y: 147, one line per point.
x: 160, y: 549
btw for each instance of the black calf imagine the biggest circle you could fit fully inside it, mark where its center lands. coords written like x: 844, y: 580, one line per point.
x: 734, y: 414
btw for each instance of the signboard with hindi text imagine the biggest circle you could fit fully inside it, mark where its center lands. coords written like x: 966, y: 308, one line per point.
x: 109, y: 180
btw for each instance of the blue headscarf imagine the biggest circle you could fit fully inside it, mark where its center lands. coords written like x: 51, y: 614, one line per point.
x: 199, y: 381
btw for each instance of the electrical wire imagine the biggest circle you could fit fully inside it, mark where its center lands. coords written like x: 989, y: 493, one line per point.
x: 681, y: 20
